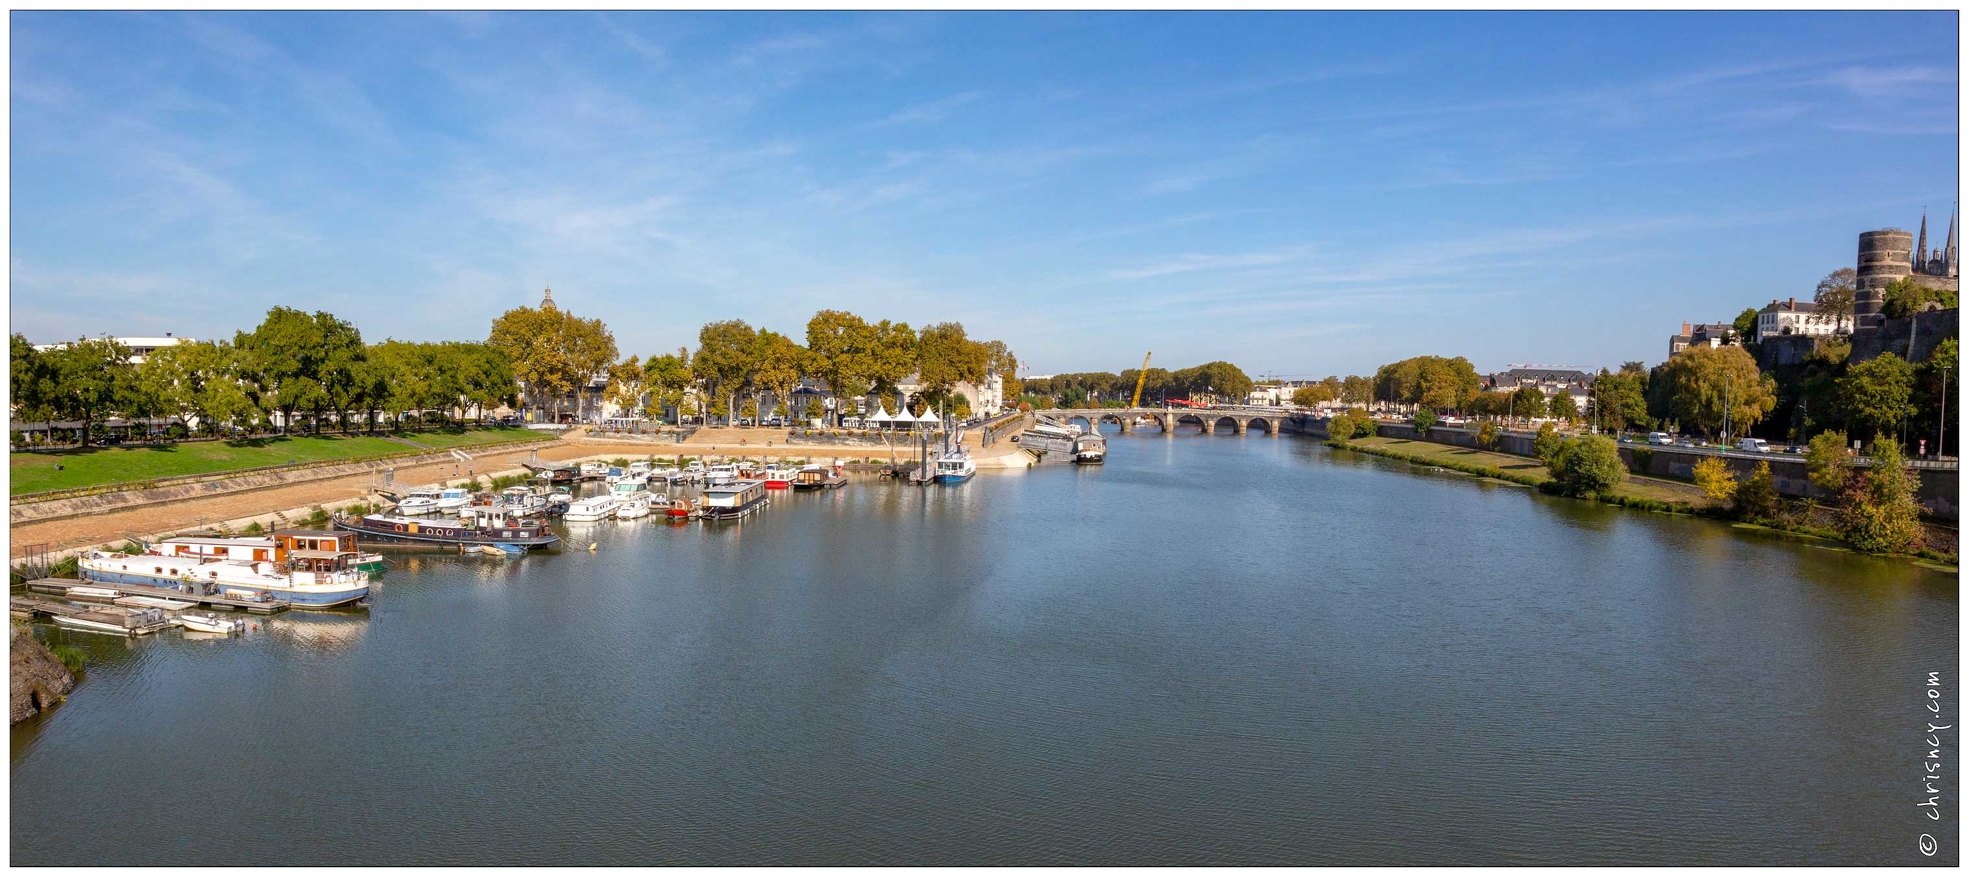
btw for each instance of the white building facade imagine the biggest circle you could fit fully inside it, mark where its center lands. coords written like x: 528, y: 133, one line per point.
x: 1791, y: 318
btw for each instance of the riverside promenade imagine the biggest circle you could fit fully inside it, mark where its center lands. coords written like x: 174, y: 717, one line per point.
x: 114, y: 527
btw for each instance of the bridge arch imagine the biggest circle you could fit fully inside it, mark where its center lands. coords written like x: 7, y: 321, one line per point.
x: 1237, y: 426
x: 1117, y: 417
x: 1191, y: 417
x: 1262, y: 424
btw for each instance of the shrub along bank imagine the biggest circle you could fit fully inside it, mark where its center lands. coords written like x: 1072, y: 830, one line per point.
x: 1877, y: 513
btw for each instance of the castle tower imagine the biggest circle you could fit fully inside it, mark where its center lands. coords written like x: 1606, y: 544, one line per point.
x: 1921, y: 246
x: 547, y: 303
x: 1885, y: 256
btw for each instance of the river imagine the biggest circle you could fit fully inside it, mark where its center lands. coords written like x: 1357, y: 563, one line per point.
x: 1227, y: 649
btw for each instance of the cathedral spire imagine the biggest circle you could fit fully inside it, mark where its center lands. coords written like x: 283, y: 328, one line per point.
x: 1921, y: 246
x: 1948, y: 249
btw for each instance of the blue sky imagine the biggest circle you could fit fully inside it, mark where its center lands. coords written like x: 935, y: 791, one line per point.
x: 1300, y: 193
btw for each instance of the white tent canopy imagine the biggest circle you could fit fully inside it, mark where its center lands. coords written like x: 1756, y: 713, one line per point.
x: 880, y: 415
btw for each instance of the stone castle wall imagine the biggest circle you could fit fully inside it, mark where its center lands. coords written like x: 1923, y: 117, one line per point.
x: 1927, y: 330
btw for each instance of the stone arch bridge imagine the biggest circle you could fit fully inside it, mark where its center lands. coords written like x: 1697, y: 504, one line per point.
x: 1241, y: 420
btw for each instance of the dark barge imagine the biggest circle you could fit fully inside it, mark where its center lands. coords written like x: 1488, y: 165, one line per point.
x: 412, y: 531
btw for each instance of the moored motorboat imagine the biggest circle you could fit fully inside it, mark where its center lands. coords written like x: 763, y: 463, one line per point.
x: 120, y: 620
x: 558, y: 500
x: 680, y: 510
x: 633, y: 507
x: 422, y: 501
x: 454, y: 498
x: 210, y: 622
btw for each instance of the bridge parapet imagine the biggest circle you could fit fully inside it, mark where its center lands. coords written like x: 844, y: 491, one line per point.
x: 1241, y: 418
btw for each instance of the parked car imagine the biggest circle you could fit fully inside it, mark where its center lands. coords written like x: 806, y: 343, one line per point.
x: 1685, y: 443
x: 1793, y: 449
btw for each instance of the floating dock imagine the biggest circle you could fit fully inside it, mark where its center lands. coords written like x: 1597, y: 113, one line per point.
x: 98, y: 592
x: 131, y: 622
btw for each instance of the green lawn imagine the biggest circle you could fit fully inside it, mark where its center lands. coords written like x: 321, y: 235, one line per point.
x: 1638, y: 487
x: 33, y: 473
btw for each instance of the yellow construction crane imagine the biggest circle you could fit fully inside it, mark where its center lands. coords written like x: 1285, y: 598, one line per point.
x: 1137, y: 401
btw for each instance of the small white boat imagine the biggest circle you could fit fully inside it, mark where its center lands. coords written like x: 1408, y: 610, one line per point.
x: 419, y: 502
x: 454, y: 498
x: 210, y: 622
x: 634, y: 507
x: 721, y: 474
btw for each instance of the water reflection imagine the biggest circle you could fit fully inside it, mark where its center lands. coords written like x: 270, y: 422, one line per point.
x: 1213, y: 649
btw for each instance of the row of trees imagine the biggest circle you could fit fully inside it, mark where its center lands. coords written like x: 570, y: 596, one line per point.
x: 1079, y: 389
x: 294, y: 367
x: 554, y: 353
x: 1700, y: 390
x: 1350, y: 390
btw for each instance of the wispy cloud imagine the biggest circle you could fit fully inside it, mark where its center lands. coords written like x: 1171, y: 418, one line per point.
x: 633, y: 41
x: 1189, y: 262
x: 927, y: 112
x: 1880, y: 81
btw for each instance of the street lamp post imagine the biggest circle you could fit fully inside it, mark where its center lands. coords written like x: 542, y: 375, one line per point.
x: 1942, y: 417
x: 1726, y: 409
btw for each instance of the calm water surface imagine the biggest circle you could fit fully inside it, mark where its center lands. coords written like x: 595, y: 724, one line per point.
x: 1211, y: 650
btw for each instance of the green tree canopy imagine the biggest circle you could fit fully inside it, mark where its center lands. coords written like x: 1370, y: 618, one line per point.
x: 1907, y: 296
x: 1561, y: 405
x: 727, y: 359
x: 1876, y: 395
x: 89, y: 379
x: 1527, y: 401
x: 1834, y: 295
x: 1701, y: 381
x: 782, y: 363
x: 1619, y: 399
x: 946, y: 357
x: 1588, y: 466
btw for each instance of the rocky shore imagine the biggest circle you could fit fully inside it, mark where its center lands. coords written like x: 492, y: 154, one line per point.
x: 37, y: 677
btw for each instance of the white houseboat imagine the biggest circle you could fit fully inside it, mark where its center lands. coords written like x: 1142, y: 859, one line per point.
x: 594, y: 508
x: 311, y: 569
